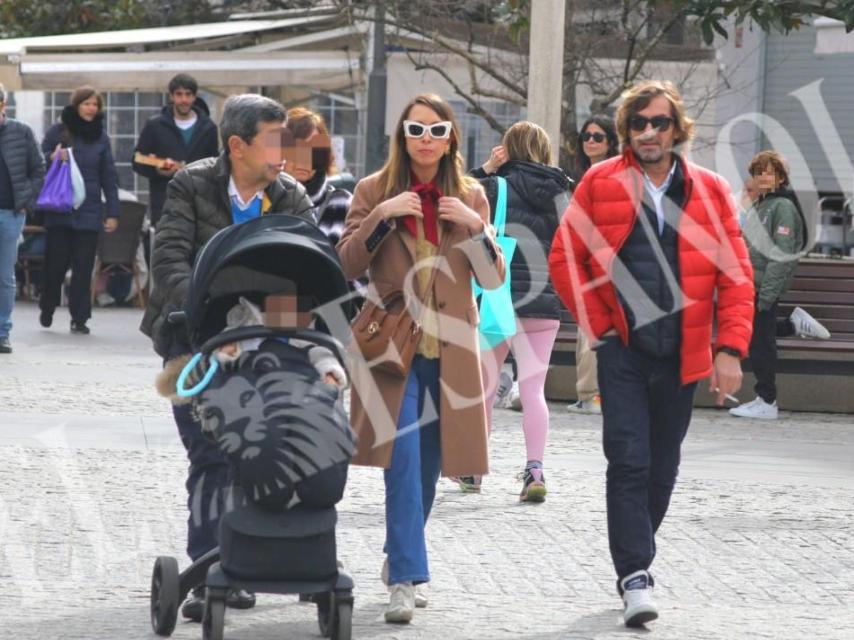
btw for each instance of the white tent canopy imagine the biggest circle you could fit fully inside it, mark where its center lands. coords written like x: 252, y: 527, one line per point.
x: 831, y: 37
x: 235, y: 53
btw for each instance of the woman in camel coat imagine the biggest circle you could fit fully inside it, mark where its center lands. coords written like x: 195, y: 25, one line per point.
x: 420, y: 212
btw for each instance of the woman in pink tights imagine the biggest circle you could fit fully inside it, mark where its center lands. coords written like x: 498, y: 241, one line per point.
x: 537, y: 195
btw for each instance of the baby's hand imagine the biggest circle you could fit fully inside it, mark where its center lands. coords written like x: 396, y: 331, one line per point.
x: 330, y: 379
x: 231, y: 350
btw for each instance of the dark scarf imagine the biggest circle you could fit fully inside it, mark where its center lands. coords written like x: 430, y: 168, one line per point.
x: 316, y: 188
x: 429, y: 194
x: 77, y: 126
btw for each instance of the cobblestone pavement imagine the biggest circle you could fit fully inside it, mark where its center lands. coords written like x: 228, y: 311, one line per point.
x: 758, y: 543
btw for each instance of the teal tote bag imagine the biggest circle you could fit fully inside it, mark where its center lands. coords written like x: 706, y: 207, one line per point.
x: 497, y: 316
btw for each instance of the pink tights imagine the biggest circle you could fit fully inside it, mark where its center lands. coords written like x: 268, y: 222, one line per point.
x: 532, y: 348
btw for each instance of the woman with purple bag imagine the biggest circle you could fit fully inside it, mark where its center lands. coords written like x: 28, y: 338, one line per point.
x: 72, y: 236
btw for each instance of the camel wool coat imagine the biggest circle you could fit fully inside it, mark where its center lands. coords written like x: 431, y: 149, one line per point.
x: 386, y: 250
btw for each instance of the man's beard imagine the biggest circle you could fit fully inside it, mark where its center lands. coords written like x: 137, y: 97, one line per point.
x: 649, y: 156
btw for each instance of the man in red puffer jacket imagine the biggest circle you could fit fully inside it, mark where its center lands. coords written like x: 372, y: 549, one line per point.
x: 648, y: 254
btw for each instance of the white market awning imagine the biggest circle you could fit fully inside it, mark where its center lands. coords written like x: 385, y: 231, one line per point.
x: 153, y: 70
x: 831, y: 37
x: 150, y: 37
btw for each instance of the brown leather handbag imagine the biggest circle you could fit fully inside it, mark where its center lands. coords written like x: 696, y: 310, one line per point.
x: 386, y: 335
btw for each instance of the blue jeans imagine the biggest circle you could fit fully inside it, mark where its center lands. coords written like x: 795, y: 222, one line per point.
x: 645, y: 410
x: 11, y: 224
x: 207, y: 481
x: 410, y: 482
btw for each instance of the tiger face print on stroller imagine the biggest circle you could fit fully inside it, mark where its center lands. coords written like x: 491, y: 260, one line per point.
x: 281, y: 426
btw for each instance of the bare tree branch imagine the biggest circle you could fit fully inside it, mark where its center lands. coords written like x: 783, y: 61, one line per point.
x: 474, y: 107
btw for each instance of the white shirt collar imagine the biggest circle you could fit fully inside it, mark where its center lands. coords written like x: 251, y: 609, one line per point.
x: 664, y: 185
x: 234, y: 194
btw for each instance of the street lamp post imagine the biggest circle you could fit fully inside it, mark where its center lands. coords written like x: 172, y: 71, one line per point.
x: 377, y: 82
x: 545, y: 68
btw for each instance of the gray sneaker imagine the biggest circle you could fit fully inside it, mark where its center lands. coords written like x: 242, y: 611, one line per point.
x: 505, y: 383
x: 5, y: 345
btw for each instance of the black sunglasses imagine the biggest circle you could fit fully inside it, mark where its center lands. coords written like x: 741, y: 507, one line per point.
x: 596, y: 137
x: 659, y: 123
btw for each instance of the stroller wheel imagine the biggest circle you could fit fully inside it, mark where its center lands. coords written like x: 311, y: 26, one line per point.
x: 344, y: 621
x: 165, y: 595
x: 325, y: 613
x: 213, y: 620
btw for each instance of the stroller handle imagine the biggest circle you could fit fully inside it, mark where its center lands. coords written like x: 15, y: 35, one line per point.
x: 248, y: 333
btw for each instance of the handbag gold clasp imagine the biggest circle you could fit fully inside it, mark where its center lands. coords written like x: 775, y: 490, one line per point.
x: 373, y: 327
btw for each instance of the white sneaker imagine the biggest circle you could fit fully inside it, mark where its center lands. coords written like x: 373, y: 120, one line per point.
x: 505, y: 384
x: 757, y: 408
x: 514, y: 400
x: 587, y: 407
x: 638, y: 605
x: 420, y: 590
x: 806, y: 326
x: 420, y: 596
x: 401, y: 606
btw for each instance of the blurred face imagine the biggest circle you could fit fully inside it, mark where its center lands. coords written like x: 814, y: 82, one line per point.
x: 426, y: 152
x: 88, y: 109
x: 750, y: 190
x: 652, y: 131
x: 768, y: 180
x: 182, y: 102
x: 261, y: 160
x: 301, y: 167
x: 594, y: 141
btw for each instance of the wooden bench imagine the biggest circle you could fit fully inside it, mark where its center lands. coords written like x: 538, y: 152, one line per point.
x: 813, y: 375
x: 825, y: 289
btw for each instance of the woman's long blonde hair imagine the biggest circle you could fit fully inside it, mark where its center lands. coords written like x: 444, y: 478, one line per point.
x: 395, y: 176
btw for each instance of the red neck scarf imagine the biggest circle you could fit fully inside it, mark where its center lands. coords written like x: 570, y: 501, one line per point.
x: 429, y: 194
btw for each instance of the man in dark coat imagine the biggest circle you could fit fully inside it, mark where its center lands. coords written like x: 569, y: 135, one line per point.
x: 182, y: 133
x: 21, y: 175
x: 244, y: 182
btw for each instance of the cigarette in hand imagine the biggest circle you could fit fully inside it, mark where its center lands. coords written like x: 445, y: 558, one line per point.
x: 729, y: 397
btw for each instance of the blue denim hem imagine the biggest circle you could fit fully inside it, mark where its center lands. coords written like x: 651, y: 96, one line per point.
x: 418, y: 579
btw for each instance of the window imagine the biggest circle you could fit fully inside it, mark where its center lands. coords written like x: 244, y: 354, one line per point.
x: 479, y: 138
x: 342, y: 120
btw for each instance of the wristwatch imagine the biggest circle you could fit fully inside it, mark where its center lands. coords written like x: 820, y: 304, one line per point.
x: 729, y: 351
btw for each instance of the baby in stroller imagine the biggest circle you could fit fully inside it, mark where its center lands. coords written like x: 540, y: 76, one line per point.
x: 268, y: 389
x: 285, y: 434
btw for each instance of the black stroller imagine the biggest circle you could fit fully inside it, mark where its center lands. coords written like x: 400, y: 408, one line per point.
x: 278, y: 416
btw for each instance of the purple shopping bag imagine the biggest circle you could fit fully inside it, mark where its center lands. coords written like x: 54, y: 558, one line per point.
x: 57, y: 194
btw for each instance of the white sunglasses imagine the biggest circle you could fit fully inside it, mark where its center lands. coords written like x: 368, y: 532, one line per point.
x: 438, y: 131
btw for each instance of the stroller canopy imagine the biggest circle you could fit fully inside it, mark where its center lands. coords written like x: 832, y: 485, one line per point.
x: 264, y: 256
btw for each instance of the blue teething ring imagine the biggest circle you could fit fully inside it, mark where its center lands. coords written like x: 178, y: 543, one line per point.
x: 188, y: 368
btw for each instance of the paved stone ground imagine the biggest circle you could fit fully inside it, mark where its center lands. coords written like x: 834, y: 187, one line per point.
x: 759, y: 541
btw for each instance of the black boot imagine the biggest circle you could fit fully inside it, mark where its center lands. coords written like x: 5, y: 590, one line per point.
x: 194, y: 605
x: 79, y: 328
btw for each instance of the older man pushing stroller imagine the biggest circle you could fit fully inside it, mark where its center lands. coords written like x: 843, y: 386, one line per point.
x: 243, y: 183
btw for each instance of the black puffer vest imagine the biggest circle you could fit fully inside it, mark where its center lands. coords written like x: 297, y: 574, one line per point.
x: 537, y: 196
x: 647, y: 274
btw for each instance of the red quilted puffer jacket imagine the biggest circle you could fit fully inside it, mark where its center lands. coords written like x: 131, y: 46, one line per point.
x: 713, y: 259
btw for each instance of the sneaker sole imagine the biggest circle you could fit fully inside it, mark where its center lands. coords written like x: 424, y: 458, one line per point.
x: 534, y: 494
x: 640, y: 618
x: 399, y: 618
